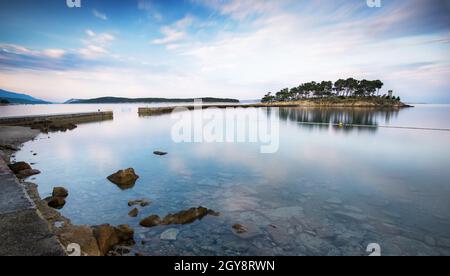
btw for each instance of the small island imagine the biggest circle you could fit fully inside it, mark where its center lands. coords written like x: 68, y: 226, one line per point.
x: 341, y: 93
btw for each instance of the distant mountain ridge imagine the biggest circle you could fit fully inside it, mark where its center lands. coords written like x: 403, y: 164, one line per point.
x: 18, y: 98
x: 148, y: 100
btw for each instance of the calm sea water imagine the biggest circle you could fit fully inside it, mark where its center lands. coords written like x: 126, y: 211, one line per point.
x: 326, y: 191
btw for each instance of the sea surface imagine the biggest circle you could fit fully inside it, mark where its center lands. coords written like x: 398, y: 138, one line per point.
x: 329, y: 188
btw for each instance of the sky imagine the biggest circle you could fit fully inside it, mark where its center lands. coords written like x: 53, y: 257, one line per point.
x: 221, y: 48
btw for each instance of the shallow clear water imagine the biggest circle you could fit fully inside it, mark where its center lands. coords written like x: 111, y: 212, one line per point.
x: 326, y: 191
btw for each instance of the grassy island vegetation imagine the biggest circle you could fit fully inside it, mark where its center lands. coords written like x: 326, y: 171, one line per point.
x: 349, y: 92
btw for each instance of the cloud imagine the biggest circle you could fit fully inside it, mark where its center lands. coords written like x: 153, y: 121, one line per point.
x: 96, y: 44
x: 54, y: 53
x: 242, y: 9
x: 148, y: 6
x: 100, y: 15
x: 174, y: 32
x: 170, y: 36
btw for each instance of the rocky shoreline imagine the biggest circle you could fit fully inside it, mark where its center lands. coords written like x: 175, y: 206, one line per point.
x: 68, y: 238
x: 100, y: 240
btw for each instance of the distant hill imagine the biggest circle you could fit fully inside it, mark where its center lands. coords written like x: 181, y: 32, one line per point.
x: 17, y: 98
x: 250, y: 101
x: 148, y: 100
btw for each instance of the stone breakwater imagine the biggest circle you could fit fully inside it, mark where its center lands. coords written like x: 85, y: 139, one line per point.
x: 56, y: 122
x: 151, y: 111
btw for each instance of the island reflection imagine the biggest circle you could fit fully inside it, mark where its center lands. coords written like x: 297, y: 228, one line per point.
x: 352, y: 119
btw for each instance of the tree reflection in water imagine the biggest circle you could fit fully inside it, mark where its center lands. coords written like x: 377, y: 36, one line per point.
x: 351, y: 119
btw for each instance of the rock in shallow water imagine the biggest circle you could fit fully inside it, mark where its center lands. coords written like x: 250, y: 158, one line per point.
x: 55, y: 202
x: 60, y: 192
x: 124, y: 179
x: 182, y: 217
x: 150, y: 221
x: 27, y: 173
x: 133, y: 213
x: 239, y: 229
x: 141, y: 202
x: 19, y: 166
x: 185, y: 217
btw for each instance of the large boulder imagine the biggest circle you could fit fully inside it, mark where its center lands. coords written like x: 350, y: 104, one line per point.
x: 22, y: 170
x: 81, y: 235
x: 106, y: 237
x: 60, y: 192
x: 125, y: 179
x: 19, y: 166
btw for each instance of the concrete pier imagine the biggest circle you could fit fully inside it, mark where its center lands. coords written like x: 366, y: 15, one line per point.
x: 23, y: 231
x: 151, y: 111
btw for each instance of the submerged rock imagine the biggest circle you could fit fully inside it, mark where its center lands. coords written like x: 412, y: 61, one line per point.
x: 182, y: 217
x: 213, y: 213
x: 239, y: 229
x: 247, y: 231
x: 160, y: 153
x: 170, y: 234
x: 186, y: 216
x: 141, y: 202
x: 60, y: 192
x: 133, y: 213
x: 125, y: 179
x: 150, y: 221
